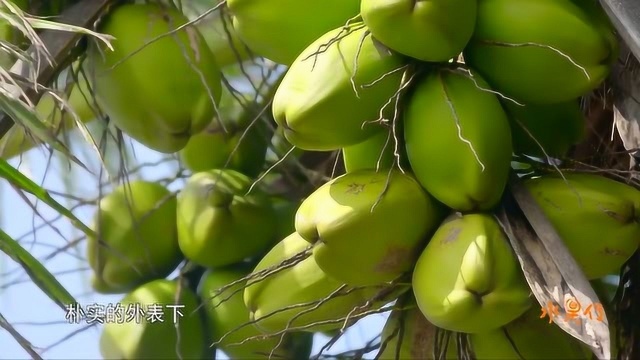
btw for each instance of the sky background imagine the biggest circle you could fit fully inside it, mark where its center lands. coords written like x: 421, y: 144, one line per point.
x: 33, y: 314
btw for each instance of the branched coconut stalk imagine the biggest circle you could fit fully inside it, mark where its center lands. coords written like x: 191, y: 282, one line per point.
x: 190, y: 31
x: 541, y: 147
x: 393, y: 98
x: 169, y: 33
x: 235, y: 93
x: 239, y: 95
x: 626, y: 176
x: 405, y: 83
x: 137, y: 223
x: 334, y: 169
x: 380, y: 296
x: 561, y: 171
x: 344, y: 32
x: 267, y: 73
x: 337, y: 293
x: 23, y: 237
x: 310, y: 166
x: 269, y: 356
x: 225, y: 17
x: 328, y: 345
x: 305, y: 168
x: 463, y: 346
x: 548, y: 47
x: 354, y: 354
x: 40, y: 323
x: 352, y: 316
x: 312, y: 325
x: 63, y: 249
x: 353, y: 20
x: 6, y: 285
x: 303, y: 312
x: 315, y: 303
x: 264, y: 107
x: 470, y: 76
x: 408, y: 75
x: 269, y: 335
x: 390, y: 135
x: 384, y: 76
x: 398, y: 331
x: 387, y: 182
x: 135, y: 169
x: 454, y: 113
x: 352, y: 78
x: 69, y: 336
x: 441, y: 343
x: 260, y: 275
x: 103, y: 245
x: 37, y: 213
x: 268, y: 171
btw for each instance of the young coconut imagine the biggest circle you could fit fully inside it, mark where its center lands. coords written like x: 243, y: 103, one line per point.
x: 334, y: 92
x: 468, y: 279
x: 159, y: 101
x: 302, y: 296
x: 527, y: 337
x: 280, y: 29
x: 564, y: 59
x: 159, y: 320
x: 230, y: 141
x: 608, y: 212
x: 434, y: 30
x: 546, y: 130
x: 377, y: 153
x: 218, y: 223
x: 227, y: 314
x: 136, y: 237
x: 448, y: 110
x: 366, y: 211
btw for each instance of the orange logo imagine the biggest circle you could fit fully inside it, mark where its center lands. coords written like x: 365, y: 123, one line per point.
x: 572, y: 311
